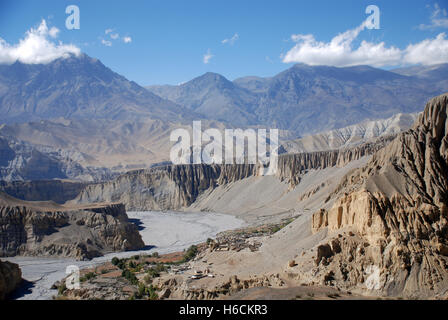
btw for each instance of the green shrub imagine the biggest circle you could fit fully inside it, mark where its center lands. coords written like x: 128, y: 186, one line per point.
x: 275, y: 229
x: 191, y: 253
x: 153, y: 273
x: 62, y: 289
x: 151, y: 293
x: 88, y: 276
x: 130, y: 276
x: 148, y: 279
x: 140, y: 291
x: 143, y: 291
x: 160, y: 267
x: 120, y: 263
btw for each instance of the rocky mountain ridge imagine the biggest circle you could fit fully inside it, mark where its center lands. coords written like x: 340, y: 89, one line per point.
x: 308, y: 99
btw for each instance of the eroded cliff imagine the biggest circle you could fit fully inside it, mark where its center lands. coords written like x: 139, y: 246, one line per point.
x: 48, y: 229
x: 388, y: 230
x: 174, y: 187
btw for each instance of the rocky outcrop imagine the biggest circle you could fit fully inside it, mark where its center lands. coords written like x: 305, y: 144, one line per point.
x: 10, y: 278
x: 395, y: 210
x: 177, y: 288
x: 48, y: 229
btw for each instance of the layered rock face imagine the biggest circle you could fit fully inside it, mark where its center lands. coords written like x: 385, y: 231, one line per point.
x: 178, y: 186
x: 396, y: 215
x: 47, y: 229
x: 291, y: 167
x: 10, y: 278
x: 163, y: 188
x: 58, y: 191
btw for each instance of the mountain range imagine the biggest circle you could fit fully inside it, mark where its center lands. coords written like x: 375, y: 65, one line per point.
x: 302, y: 99
x: 309, y: 99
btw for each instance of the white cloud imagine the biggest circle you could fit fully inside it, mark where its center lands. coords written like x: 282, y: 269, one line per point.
x: 53, y: 32
x: 207, y: 57
x: 428, y: 51
x: 36, y: 47
x: 439, y: 19
x: 340, y: 52
x: 231, y: 40
x: 107, y: 43
x: 114, y: 36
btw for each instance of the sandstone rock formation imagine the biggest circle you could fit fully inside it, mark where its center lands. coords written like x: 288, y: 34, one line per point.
x: 48, y: 229
x: 388, y: 230
x: 10, y: 278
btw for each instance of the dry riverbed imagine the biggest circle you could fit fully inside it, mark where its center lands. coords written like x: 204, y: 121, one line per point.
x: 162, y: 232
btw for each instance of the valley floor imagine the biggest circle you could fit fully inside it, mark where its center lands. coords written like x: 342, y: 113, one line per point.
x: 161, y: 232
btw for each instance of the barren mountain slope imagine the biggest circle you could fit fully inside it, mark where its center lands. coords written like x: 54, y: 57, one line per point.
x: 120, y: 145
x: 307, y: 99
x: 352, y: 135
x: 77, y: 87
x: 396, y: 209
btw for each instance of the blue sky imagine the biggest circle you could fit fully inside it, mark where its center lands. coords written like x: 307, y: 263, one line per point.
x: 167, y: 40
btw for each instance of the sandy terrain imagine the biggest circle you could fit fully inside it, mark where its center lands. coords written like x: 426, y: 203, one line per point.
x: 266, y: 199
